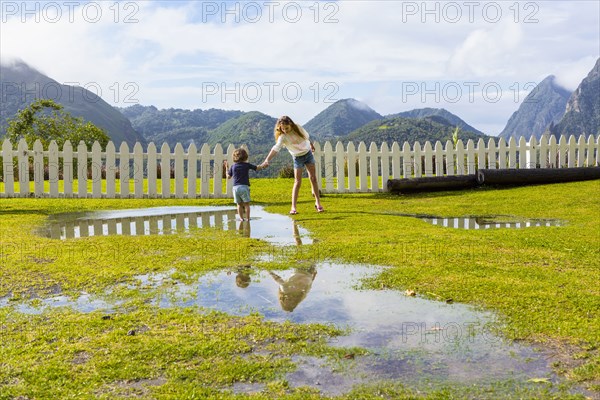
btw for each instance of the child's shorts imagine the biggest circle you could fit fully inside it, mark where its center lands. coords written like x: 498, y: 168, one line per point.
x: 241, y: 194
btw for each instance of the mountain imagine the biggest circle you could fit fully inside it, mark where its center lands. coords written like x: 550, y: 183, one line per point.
x: 21, y: 84
x: 400, y: 129
x: 339, y: 119
x: 544, y: 106
x: 439, y: 112
x: 254, y: 129
x: 582, y: 116
x: 175, y: 125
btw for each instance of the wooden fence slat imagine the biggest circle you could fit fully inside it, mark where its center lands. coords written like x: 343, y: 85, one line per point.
x: 23, y: 163
x: 38, y: 168
x: 179, y: 173
x: 165, y: 171
x: 328, y: 164
x: 362, y: 166
x: 449, y: 159
x: 124, y: 169
x: 53, y: 169
x: 192, y: 170
x: 110, y: 171
x: 96, y: 170
x: 218, y: 171
x: 138, y: 171
x: 373, y: 167
x: 396, y: 160
x: 82, y: 166
x: 340, y: 166
x: 204, y: 170
x: 351, y: 157
x: 152, y: 166
x: 67, y: 155
x: 385, y: 165
x: 428, y: 153
x: 7, y: 168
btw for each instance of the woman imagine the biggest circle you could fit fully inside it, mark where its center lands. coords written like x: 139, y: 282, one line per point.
x: 295, y: 139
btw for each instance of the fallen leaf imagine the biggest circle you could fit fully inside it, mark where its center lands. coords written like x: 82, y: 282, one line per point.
x: 410, y: 292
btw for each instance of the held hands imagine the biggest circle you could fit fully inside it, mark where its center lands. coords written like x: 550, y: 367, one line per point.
x: 264, y: 165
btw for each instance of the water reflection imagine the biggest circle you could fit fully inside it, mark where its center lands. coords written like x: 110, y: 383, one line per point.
x: 275, y: 228
x: 295, y: 288
x: 483, y: 221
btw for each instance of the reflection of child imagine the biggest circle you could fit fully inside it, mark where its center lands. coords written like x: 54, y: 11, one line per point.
x: 239, y: 171
x: 293, y: 290
x: 242, y: 279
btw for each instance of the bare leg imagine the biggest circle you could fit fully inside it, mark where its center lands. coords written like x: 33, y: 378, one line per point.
x: 247, y: 210
x: 310, y: 168
x: 240, y: 210
x: 296, y: 188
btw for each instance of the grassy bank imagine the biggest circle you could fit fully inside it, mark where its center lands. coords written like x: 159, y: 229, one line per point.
x: 541, y: 281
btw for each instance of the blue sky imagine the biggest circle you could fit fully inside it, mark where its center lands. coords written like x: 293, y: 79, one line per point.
x: 476, y: 59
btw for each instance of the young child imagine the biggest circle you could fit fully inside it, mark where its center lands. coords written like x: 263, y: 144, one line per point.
x: 239, y: 171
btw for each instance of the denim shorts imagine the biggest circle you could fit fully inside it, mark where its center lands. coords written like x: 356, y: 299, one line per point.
x: 241, y: 194
x: 301, y: 161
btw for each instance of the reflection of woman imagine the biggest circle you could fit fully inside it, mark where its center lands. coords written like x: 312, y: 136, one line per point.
x: 293, y: 290
x: 293, y: 137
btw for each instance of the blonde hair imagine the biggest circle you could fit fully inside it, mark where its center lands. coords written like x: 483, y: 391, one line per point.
x: 240, y: 155
x: 296, y: 129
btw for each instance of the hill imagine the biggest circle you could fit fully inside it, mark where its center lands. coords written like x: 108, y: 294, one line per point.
x: 254, y: 129
x: 582, y: 116
x: 339, y: 119
x: 545, y: 105
x: 175, y: 125
x: 400, y: 129
x: 437, y: 112
x: 21, y: 84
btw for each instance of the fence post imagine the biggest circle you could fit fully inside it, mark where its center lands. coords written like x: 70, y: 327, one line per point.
x: 362, y: 166
x: 124, y: 169
x: 38, y: 168
x: 165, y: 171
x: 7, y: 168
x: 111, y: 171
x: 351, y: 158
x: 385, y: 165
x: 396, y: 160
x: 204, y: 170
x: 428, y: 152
x: 23, y: 162
x: 192, y: 170
x: 179, y: 184
x: 571, y: 152
x: 407, y: 161
x: 53, y: 169
x: 152, y: 166
x: 96, y: 170
x: 138, y: 171
x: 491, y: 154
x: 340, y: 167
x: 218, y: 171
x: 450, y: 154
x: 328, y: 160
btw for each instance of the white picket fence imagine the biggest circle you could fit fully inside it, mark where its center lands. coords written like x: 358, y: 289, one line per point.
x: 198, y: 174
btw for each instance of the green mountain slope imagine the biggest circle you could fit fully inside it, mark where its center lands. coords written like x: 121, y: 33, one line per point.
x: 20, y: 85
x: 339, y: 119
x: 437, y: 112
x: 399, y: 129
x: 175, y: 125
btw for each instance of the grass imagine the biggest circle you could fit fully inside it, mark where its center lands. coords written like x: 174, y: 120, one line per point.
x: 541, y: 281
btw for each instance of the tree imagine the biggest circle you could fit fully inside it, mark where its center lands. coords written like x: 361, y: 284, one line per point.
x: 46, y: 120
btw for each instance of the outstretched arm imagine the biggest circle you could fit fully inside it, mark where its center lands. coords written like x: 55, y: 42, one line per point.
x: 270, y: 156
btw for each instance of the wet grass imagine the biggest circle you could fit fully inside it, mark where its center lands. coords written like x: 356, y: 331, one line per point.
x: 542, y: 282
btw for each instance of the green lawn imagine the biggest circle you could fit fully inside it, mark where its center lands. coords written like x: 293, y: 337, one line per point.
x: 541, y: 281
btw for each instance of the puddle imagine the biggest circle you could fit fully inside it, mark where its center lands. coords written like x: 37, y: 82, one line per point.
x: 274, y: 228
x: 415, y: 340
x: 485, y: 222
